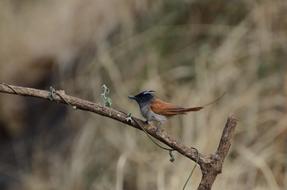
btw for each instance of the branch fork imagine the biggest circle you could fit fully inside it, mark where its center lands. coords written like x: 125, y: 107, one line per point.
x: 210, y: 165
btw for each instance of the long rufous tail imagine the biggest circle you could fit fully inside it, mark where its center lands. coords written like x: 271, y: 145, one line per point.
x: 201, y: 107
x: 164, y: 108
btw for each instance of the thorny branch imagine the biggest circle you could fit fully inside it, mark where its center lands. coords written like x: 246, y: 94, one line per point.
x: 210, y: 165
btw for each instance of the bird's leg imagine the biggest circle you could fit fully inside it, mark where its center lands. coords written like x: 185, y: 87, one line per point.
x: 158, y: 124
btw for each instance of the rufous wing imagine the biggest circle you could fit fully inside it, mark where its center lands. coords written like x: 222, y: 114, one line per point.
x: 167, y: 109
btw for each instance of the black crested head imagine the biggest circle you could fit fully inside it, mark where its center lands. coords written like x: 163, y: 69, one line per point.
x: 143, y: 97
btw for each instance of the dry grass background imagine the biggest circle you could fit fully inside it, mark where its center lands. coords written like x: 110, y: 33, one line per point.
x: 188, y: 51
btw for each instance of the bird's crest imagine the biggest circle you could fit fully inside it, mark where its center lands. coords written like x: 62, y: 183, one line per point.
x: 147, y: 92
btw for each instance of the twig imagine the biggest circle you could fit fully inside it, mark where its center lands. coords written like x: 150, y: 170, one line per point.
x: 189, y: 176
x: 210, y: 165
x: 170, y: 150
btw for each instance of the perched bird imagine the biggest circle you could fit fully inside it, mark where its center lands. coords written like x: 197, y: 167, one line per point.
x: 154, y: 109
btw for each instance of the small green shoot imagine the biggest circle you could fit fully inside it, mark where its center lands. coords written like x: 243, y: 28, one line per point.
x: 106, y: 100
x: 129, y: 117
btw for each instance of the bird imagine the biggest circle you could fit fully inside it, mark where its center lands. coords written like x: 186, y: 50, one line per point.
x: 155, y: 109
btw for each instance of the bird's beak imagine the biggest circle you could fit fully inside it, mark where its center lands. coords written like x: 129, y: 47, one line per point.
x: 132, y: 97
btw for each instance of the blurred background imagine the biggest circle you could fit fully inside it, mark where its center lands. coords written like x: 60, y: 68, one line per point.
x: 189, y: 51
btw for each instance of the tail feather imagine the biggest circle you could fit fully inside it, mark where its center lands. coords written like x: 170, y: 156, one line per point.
x: 168, y: 109
x: 183, y: 110
x: 214, y: 101
x: 179, y: 110
x: 193, y: 109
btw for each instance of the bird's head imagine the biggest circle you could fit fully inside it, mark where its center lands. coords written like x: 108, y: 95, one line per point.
x: 143, y: 97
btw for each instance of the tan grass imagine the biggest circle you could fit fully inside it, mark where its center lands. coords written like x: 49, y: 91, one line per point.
x: 106, y: 155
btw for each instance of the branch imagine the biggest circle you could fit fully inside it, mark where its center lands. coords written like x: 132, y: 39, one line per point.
x: 211, y: 169
x: 210, y: 165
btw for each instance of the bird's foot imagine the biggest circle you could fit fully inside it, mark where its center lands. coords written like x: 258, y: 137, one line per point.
x: 157, y: 129
x: 147, y: 122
